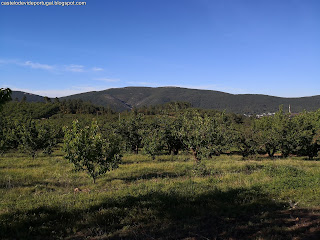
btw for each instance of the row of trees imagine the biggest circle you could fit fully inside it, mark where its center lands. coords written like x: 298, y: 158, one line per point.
x: 206, y: 135
x: 98, y: 151
x: 202, y: 134
x: 27, y: 135
x: 298, y: 135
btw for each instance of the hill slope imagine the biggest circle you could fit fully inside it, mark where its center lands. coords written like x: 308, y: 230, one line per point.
x: 125, y: 98
x: 122, y: 99
x: 29, y: 96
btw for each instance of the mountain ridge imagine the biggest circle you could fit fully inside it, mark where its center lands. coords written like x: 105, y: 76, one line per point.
x: 126, y: 98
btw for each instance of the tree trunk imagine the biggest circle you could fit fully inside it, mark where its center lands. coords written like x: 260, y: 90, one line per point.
x: 175, y: 151
x: 271, y: 152
x: 195, y: 155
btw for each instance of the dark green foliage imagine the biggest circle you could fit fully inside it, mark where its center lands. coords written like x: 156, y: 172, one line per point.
x: 131, y: 132
x: 223, y: 133
x: 38, y: 110
x: 171, y: 126
x: 89, y: 151
x: 198, y: 134
x: 34, y: 136
x: 78, y: 106
x: 153, y: 138
x: 9, y: 134
x: 170, y: 108
x: 287, y: 133
x: 307, y: 136
x: 19, y: 110
x: 267, y: 135
x: 245, y: 140
x: 5, y: 96
x: 122, y: 99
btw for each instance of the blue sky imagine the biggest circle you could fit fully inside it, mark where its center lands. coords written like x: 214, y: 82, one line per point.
x: 237, y: 46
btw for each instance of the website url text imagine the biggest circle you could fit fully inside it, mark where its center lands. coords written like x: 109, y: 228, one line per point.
x: 42, y: 3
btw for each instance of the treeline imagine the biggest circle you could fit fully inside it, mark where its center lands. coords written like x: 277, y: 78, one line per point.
x: 205, y: 134
x: 171, y: 128
x: 38, y: 110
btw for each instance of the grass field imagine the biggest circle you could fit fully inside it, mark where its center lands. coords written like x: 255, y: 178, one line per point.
x: 225, y: 197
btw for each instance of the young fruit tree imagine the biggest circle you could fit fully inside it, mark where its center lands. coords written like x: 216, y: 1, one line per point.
x: 245, y: 140
x: 130, y: 130
x: 197, y: 134
x: 172, y: 141
x: 307, y: 137
x: 89, y: 151
x: 288, y: 132
x: 153, y: 139
x: 34, y: 136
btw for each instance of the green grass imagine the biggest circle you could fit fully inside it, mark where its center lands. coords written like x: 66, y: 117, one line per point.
x: 225, y: 197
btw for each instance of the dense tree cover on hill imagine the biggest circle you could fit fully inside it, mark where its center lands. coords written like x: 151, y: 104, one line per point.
x: 169, y: 128
x: 124, y: 99
x: 121, y: 99
x: 38, y: 110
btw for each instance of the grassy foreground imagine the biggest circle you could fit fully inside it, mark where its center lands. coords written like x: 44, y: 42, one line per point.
x: 168, y: 198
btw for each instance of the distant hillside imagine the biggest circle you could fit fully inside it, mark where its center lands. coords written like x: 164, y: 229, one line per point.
x: 125, y: 98
x: 122, y: 99
x: 29, y: 96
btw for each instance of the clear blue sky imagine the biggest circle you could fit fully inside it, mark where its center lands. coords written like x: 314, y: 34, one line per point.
x: 237, y: 46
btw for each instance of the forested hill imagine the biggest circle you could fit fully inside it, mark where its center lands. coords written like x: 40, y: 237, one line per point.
x: 126, y: 98
x: 121, y: 99
x: 29, y: 97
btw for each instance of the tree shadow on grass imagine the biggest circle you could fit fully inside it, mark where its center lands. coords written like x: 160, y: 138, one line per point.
x: 315, y: 159
x: 21, y: 167
x: 148, y: 176
x: 233, y: 214
x: 36, y: 184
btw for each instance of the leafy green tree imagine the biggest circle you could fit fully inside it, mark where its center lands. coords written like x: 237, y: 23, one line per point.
x: 3, y: 142
x: 9, y: 135
x: 89, y: 151
x: 222, y: 132
x: 284, y: 133
x: 268, y: 135
x: 5, y: 96
x: 245, y: 139
x: 307, y: 134
x: 35, y: 136
x: 171, y: 126
x: 197, y: 134
x: 131, y: 132
x: 153, y: 138
x: 286, y: 129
